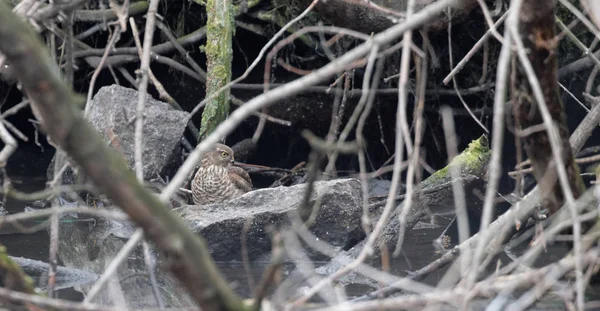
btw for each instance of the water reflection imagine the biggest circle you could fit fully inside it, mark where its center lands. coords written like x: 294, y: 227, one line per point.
x: 417, y: 252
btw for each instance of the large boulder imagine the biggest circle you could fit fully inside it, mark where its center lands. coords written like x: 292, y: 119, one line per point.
x: 92, y: 246
x: 221, y: 225
x: 112, y: 113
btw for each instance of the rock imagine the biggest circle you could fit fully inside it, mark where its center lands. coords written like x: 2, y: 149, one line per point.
x: 113, y: 113
x: 221, y: 225
x: 92, y: 247
x: 65, y: 277
x: 105, y: 228
x: 434, y: 196
x: 381, y: 187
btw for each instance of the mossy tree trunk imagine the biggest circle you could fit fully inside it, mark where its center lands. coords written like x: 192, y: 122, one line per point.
x: 219, y: 35
x: 537, y: 29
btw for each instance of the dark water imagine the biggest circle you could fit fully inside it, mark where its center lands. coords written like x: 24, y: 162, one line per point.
x: 417, y: 249
x: 417, y: 252
x: 27, y: 172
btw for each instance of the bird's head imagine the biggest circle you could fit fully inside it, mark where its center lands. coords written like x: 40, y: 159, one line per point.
x: 220, y: 155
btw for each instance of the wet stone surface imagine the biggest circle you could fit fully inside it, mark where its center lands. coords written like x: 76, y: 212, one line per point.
x: 337, y: 220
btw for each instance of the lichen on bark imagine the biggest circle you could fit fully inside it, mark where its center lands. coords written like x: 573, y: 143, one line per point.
x: 219, y: 34
x: 473, y: 161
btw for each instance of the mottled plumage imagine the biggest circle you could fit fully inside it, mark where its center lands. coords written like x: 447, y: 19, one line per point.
x: 217, y: 180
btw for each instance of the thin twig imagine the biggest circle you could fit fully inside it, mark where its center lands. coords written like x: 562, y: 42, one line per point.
x: 365, y: 220
x: 59, y: 304
x: 590, y: 26
x: 262, y: 121
x: 163, y: 94
x: 495, y: 170
x: 258, y: 58
x: 111, y: 269
x: 10, y: 145
x: 473, y: 50
x: 426, y: 14
x: 152, y: 274
x: 60, y: 210
x: 14, y: 109
x: 578, y: 43
x: 181, y: 50
x: 238, y: 102
x: 111, y: 42
x: 53, y: 253
x: 143, y: 88
x: 557, y: 155
x: 454, y: 83
x: 403, y: 130
x: 457, y: 188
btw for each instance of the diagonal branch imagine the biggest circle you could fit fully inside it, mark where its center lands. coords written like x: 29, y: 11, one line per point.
x: 56, y: 107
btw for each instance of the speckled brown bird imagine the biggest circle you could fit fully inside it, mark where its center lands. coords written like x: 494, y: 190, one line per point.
x: 217, y: 179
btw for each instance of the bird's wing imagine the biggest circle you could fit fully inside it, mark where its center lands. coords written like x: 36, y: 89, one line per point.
x: 240, y: 178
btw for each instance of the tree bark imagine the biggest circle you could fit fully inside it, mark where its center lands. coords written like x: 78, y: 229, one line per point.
x: 219, y: 53
x: 537, y: 29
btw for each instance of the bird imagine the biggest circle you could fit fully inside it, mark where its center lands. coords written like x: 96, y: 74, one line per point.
x: 218, y: 180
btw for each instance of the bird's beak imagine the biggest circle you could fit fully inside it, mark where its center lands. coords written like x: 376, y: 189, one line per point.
x: 232, y: 161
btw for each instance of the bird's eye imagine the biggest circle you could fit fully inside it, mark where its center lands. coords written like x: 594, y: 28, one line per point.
x: 225, y: 154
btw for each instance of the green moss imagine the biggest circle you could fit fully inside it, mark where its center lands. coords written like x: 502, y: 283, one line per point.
x: 13, y: 276
x: 218, y: 50
x: 250, y: 3
x: 473, y: 161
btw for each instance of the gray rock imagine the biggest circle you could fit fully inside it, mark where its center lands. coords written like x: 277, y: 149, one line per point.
x: 113, y: 114
x: 91, y: 248
x: 379, y: 187
x: 337, y: 221
x: 105, y: 228
x: 65, y: 277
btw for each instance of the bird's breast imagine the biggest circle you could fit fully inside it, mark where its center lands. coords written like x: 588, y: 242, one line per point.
x: 212, y: 184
